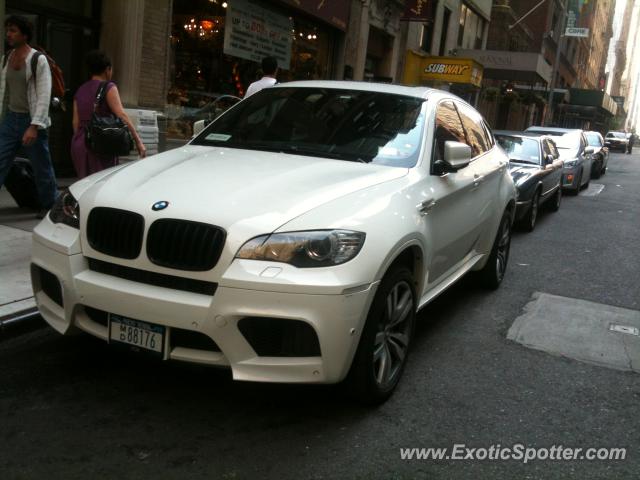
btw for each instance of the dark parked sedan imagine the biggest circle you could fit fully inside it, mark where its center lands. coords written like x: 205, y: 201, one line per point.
x: 616, y: 141
x: 536, y: 169
x: 600, y: 154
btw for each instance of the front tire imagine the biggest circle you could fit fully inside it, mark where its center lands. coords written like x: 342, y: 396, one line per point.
x: 556, y: 200
x: 528, y: 223
x: 493, y: 272
x: 384, y: 343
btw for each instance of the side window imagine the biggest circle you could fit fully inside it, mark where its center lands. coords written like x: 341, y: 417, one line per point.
x: 448, y: 128
x: 472, y: 123
x: 489, y: 134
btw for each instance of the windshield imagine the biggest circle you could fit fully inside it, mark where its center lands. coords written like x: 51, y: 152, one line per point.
x: 352, y: 125
x: 520, y: 149
x: 594, y: 139
x: 616, y: 135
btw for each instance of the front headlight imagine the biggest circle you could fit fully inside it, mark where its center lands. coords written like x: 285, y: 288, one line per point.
x: 571, y: 163
x: 66, y: 210
x: 320, y: 248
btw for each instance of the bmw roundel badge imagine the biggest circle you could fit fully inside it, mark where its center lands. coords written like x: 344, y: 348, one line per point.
x: 159, y: 205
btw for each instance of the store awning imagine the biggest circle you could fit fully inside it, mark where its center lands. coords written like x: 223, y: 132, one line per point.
x: 514, y: 66
x: 593, y: 98
x: 422, y: 69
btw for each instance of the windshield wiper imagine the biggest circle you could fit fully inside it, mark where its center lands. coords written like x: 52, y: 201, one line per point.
x: 295, y: 149
x: 291, y: 149
x: 523, y: 161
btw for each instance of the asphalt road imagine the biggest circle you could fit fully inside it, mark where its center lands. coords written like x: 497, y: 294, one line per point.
x: 74, y: 408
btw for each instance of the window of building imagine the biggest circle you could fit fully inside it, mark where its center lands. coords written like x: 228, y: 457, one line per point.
x: 426, y: 39
x: 446, y: 17
x: 471, y: 28
x: 202, y: 71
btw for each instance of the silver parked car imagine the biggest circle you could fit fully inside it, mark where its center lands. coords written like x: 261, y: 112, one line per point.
x: 575, y: 152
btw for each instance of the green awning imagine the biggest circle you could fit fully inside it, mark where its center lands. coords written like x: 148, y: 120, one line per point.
x: 593, y: 98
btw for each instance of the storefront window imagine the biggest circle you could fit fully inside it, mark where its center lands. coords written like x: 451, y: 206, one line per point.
x: 209, y: 74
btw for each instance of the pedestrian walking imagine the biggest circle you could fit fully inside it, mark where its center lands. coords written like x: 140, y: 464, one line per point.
x: 84, y: 160
x: 632, y: 139
x: 269, y: 72
x: 25, y: 95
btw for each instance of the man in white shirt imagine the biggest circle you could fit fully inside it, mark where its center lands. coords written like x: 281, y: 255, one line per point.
x: 269, y: 71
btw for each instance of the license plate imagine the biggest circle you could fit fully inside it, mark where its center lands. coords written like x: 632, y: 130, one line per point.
x: 136, y: 333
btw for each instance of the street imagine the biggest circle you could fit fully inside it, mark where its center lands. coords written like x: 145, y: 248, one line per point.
x: 72, y: 407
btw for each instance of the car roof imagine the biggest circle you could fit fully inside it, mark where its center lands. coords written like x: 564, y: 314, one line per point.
x: 509, y: 132
x: 552, y: 129
x: 421, y: 92
x: 531, y: 135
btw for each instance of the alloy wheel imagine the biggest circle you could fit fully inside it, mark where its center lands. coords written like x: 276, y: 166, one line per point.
x: 503, y: 250
x: 392, y: 336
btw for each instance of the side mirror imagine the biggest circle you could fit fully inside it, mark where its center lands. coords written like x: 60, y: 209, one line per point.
x: 456, y: 156
x: 589, y: 150
x: 198, y: 127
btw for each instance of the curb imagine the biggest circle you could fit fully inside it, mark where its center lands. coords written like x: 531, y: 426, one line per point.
x: 20, y: 323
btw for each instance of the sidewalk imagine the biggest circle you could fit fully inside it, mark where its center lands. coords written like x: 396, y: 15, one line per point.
x: 16, y: 225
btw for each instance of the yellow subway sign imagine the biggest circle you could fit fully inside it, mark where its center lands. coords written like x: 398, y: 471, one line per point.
x: 446, y: 69
x: 421, y: 70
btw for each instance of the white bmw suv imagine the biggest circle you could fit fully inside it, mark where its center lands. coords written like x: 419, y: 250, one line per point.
x: 293, y: 240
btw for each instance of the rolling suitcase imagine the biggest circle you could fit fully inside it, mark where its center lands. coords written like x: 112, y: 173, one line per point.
x: 21, y: 184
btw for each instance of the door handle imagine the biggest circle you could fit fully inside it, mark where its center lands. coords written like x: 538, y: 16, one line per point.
x: 477, y: 180
x: 426, y: 206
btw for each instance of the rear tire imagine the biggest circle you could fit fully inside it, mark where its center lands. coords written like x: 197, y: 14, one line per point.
x: 493, y: 272
x: 385, y: 340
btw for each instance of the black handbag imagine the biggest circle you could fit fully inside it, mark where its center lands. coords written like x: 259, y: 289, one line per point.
x: 108, y: 136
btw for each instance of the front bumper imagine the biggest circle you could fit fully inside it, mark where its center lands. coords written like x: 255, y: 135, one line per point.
x: 622, y: 147
x: 336, y: 319
x: 570, y: 178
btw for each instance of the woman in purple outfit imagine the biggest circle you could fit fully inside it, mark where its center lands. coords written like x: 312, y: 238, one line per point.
x: 85, y: 161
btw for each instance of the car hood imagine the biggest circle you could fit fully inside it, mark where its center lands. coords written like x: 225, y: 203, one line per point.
x: 520, y: 172
x: 254, y: 192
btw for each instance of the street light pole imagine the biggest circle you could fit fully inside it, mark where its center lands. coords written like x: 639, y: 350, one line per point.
x: 563, y: 26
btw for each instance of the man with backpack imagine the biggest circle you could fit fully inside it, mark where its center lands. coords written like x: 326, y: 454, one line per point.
x: 25, y: 110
